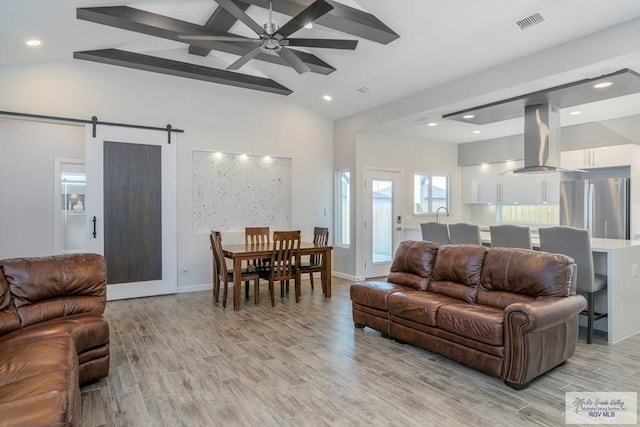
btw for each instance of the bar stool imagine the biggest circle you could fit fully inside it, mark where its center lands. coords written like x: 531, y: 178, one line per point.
x: 464, y: 233
x: 435, y: 232
x: 576, y: 243
x: 510, y: 236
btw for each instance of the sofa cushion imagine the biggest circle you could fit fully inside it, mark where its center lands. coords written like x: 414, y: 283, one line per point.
x: 88, y: 330
x: 373, y: 294
x: 418, y: 306
x: 527, y: 272
x: 412, y: 264
x: 32, y: 359
x: 459, y: 263
x: 39, y: 383
x: 456, y: 271
x: 68, y: 283
x: 484, y: 324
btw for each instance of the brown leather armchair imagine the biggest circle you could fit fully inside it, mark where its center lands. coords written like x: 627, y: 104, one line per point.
x: 53, y: 337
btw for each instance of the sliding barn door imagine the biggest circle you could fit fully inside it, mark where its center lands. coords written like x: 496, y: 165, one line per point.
x: 131, y: 209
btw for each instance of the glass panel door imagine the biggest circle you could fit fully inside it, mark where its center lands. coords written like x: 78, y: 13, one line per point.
x: 383, y: 220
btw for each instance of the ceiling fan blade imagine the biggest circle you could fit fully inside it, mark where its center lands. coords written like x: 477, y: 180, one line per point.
x: 324, y: 43
x: 239, y: 14
x: 293, y: 60
x: 189, y: 38
x: 310, y: 14
x: 245, y: 58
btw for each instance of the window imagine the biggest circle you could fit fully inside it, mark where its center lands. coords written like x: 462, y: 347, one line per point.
x: 529, y: 214
x: 430, y: 193
x: 344, y: 208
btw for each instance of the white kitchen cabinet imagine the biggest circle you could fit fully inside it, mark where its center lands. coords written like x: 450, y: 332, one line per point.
x: 601, y: 157
x: 538, y: 188
x: 483, y: 183
x: 486, y: 184
x: 480, y: 184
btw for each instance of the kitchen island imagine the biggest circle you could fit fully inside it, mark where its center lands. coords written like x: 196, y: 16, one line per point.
x: 619, y: 260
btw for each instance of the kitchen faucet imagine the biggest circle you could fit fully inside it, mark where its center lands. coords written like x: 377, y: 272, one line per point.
x: 438, y: 212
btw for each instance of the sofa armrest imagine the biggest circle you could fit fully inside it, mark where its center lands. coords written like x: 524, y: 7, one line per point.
x: 538, y: 336
x: 543, y: 313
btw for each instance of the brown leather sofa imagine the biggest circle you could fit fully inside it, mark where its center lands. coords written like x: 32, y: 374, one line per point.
x: 511, y: 313
x: 53, y: 337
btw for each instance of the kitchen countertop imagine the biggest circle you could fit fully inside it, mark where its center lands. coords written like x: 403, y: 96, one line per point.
x: 597, y: 244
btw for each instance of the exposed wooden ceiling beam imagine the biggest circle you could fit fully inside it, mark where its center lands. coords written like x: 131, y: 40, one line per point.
x: 342, y: 18
x: 156, y: 25
x: 181, y: 69
x: 220, y: 20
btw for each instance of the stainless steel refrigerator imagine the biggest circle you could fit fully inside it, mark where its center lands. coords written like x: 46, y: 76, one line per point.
x: 601, y: 205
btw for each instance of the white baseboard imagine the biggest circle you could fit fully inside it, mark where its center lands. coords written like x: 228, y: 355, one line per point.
x: 202, y: 287
x: 348, y: 276
x: 195, y: 288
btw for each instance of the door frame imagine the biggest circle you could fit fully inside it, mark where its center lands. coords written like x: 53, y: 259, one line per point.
x: 397, y: 235
x: 94, y: 149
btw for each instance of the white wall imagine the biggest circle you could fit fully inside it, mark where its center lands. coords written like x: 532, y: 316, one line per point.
x: 410, y: 156
x: 27, y: 160
x: 214, y: 117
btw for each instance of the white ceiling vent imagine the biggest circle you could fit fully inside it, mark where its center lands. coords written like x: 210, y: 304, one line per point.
x: 530, y: 21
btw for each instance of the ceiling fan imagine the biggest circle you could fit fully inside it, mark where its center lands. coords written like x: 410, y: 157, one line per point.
x: 273, y: 39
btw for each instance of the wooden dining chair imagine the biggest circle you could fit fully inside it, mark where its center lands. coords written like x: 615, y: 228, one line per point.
x: 254, y: 236
x: 316, y: 261
x: 223, y: 276
x: 283, y: 264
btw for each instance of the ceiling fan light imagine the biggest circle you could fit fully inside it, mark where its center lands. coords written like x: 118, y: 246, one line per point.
x: 327, y: 98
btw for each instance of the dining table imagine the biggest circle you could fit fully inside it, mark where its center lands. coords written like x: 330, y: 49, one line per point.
x: 252, y: 251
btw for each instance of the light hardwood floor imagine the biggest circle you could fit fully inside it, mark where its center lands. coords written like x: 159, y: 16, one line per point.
x: 183, y: 360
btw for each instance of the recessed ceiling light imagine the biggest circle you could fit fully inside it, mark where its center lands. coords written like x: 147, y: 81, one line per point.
x: 327, y: 97
x: 477, y: 131
x: 468, y: 116
x: 602, y: 85
x: 432, y: 124
x: 575, y: 113
x: 33, y: 42
x: 309, y: 25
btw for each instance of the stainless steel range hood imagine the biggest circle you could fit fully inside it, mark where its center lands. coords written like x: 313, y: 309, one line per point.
x: 542, y: 115
x: 541, y: 139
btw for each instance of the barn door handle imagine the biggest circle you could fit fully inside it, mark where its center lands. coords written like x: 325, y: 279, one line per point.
x: 94, y: 220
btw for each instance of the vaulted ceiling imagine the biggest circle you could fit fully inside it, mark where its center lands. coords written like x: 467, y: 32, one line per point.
x: 404, y: 46
x: 329, y: 14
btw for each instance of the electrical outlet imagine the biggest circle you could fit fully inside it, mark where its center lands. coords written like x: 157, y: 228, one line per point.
x: 634, y: 270
x: 184, y: 268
